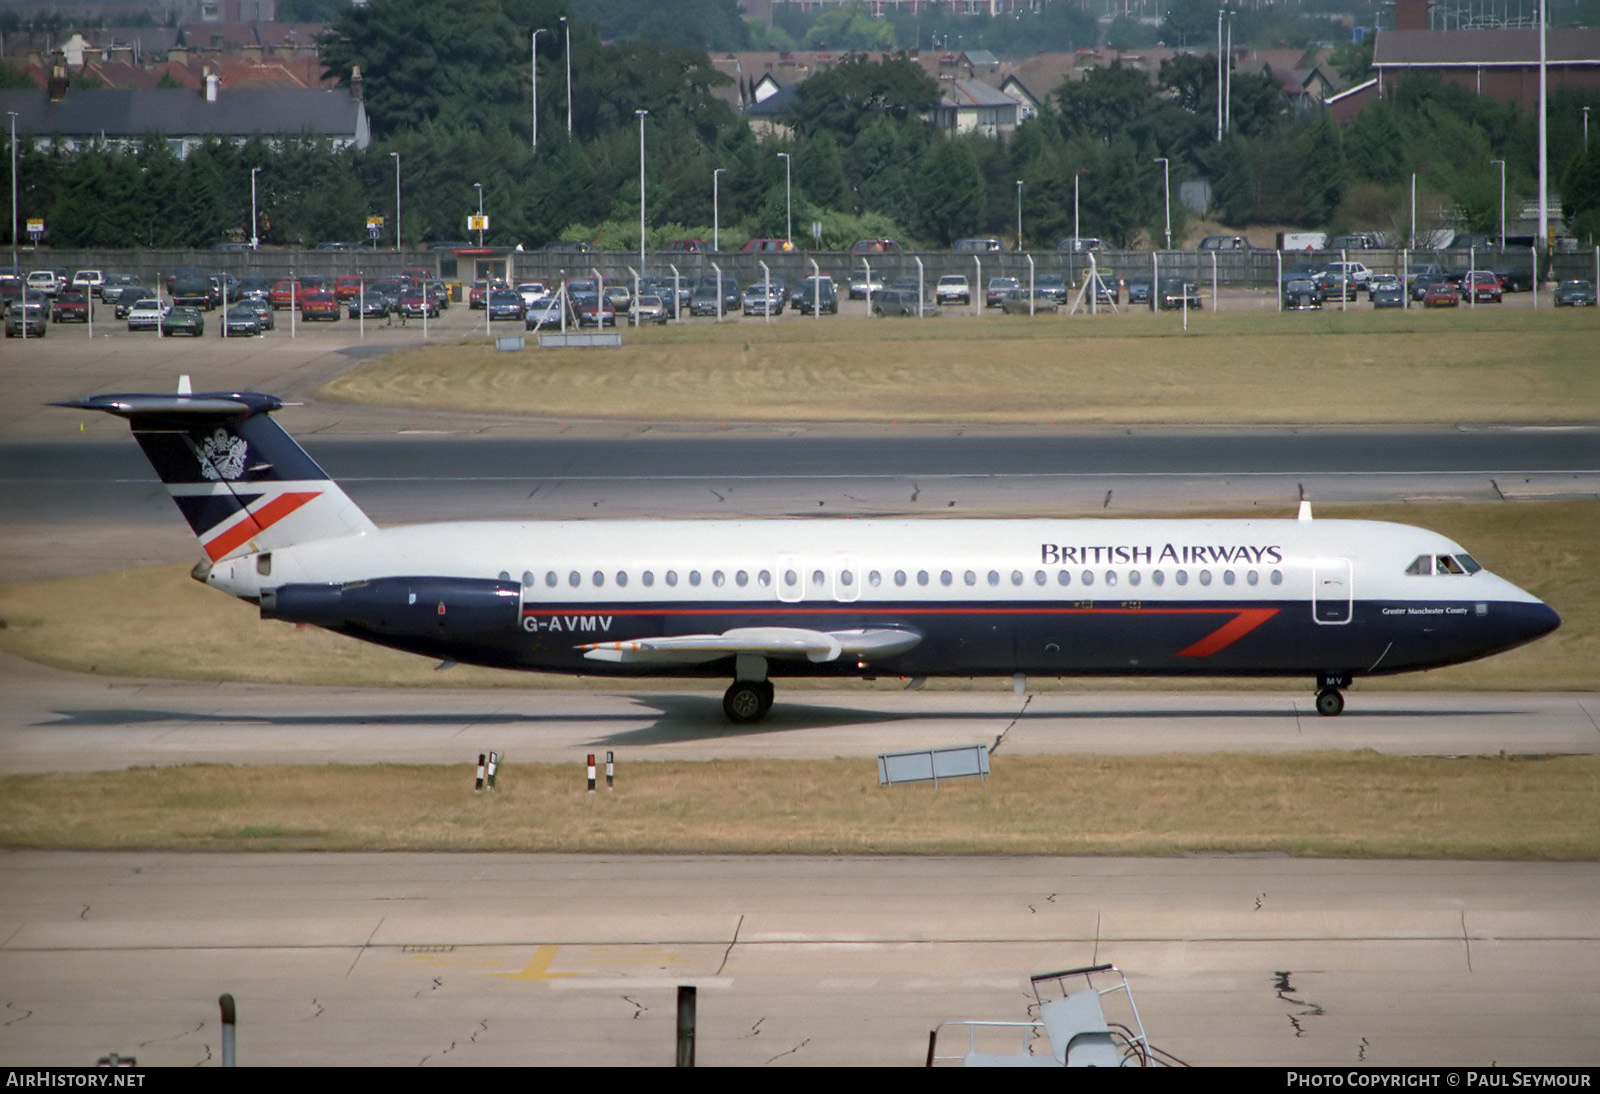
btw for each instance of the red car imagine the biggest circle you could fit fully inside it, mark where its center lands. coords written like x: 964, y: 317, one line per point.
x: 319, y: 304
x: 1482, y: 287
x: 1441, y: 294
x: 70, y: 307
x: 284, y: 294
x: 346, y: 288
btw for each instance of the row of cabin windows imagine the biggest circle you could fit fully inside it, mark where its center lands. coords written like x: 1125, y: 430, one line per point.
x: 875, y: 578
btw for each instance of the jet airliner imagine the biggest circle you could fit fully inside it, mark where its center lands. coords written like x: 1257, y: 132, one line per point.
x: 748, y: 600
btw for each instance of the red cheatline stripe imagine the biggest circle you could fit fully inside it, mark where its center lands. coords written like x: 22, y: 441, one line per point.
x: 256, y: 522
x: 1230, y: 632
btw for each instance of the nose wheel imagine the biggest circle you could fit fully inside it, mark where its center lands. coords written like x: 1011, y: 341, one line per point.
x: 1330, y: 702
x: 746, y: 702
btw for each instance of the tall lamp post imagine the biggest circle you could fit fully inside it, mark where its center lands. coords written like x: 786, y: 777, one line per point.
x: 255, y: 221
x: 1166, y: 180
x: 716, y: 222
x: 533, y: 54
x: 1019, y: 214
x: 567, y: 27
x: 13, y: 114
x: 396, y: 156
x: 1076, y: 234
x: 1414, y: 174
x: 1502, y: 165
x: 640, y: 114
x: 788, y: 207
x: 479, y: 187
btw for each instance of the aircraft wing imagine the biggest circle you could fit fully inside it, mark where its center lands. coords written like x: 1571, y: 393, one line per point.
x: 778, y: 643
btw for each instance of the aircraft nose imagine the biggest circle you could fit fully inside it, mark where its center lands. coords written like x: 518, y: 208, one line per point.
x: 1541, y: 620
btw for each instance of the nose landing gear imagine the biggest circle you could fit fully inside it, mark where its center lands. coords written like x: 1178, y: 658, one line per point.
x: 1330, y: 696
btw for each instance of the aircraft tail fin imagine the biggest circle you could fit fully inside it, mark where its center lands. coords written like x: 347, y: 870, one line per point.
x: 241, y: 482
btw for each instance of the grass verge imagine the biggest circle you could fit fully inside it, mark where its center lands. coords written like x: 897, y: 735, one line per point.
x: 1361, y: 366
x: 1348, y: 805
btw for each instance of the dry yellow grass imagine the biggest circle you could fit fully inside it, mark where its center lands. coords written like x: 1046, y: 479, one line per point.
x: 1357, y: 804
x: 1360, y: 367
x: 166, y: 625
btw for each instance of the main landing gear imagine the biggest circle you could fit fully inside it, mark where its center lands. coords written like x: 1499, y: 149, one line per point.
x: 1330, y: 697
x: 749, y: 697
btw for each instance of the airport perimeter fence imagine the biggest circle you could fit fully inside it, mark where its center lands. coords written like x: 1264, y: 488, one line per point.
x: 1253, y: 269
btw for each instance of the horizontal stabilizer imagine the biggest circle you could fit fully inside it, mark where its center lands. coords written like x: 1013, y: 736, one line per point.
x: 778, y: 643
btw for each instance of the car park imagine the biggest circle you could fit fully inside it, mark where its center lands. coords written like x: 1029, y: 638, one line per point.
x: 1174, y: 294
x: 506, y: 304
x: 71, y: 306
x: 995, y: 292
x: 1301, y: 294
x: 29, y: 319
x: 1575, y: 294
x: 319, y: 304
x: 1441, y: 294
x: 1018, y: 302
x: 241, y: 320
x: 815, y: 294
x: 953, y: 289
x: 184, y: 320
x: 146, y: 314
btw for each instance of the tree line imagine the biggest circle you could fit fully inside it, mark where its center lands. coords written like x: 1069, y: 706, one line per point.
x: 447, y: 88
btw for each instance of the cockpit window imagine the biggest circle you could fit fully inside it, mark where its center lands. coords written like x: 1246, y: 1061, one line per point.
x: 1423, y: 566
x: 1468, y: 563
x: 1448, y: 565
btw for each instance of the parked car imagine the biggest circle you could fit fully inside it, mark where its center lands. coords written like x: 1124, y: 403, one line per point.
x: 814, y: 294
x: 620, y: 297
x: 191, y: 291
x: 27, y: 320
x: 347, y: 288
x: 1225, y: 243
x: 1383, y: 281
x: 147, y: 314
x: 1301, y: 294
x: 566, y: 246
x: 1053, y: 286
x: 978, y: 246
x: 593, y: 312
x: 1354, y: 241
x: 1017, y: 302
x: 416, y: 303
x: 71, y: 306
x: 1107, y: 289
x: 705, y: 298
x: 876, y: 247
x: 88, y: 280
x: 532, y: 290
x: 767, y: 245
x: 319, y: 304
x: 184, y: 320
x: 255, y: 288
x: 1575, y: 294
x: 1139, y: 289
x: 371, y: 304
x: 543, y: 313
x: 862, y: 283
x: 113, y: 285
x: 650, y: 308
x: 1174, y: 293
x: 1077, y: 245
x: 129, y: 296
x: 1481, y: 287
x: 763, y: 298
x: 902, y: 302
x: 953, y: 289
x: 1514, y: 278
x: 1441, y: 294
x: 687, y: 246
x: 1391, y: 294
x: 224, y: 289
x: 240, y: 321
x: 995, y: 292
x: 506, y: 304
x: 43, y: 282
x: 284, y: 294
x: 1347, y: 278
x: 263, y: 310
x: 1420, y: 277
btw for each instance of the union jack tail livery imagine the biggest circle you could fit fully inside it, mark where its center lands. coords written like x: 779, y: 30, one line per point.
x: 240, y: 481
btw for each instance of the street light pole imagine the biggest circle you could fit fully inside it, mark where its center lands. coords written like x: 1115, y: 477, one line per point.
x: 479, y: 186
x: 640, y: 114
x: 533, y: 54
x: 13, y: 114
x: 568, y: 28
x: 1413, y: 240
x: 396, y: 156
x: 716, y: 221
x: 1019, y: 214
x: 1076, y: 233
x: 1166, y: 180
x: 255, y: 221
x: 1502, y: 164
x: 788, y: 208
